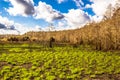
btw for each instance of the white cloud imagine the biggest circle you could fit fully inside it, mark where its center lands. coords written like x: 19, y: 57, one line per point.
x: 100, y: 6
x: 10, y: 27
x: 4, y: 31
x: 6, y: 22
x: 38, y: 28
x: 87, y: 6
x: 60, y: 1
x: 26, y: 7
x: 73, y: 19
x: 23, y: 29
x: 61, y: 24
x: 21, y: 7
x: 7, y: 26
x: 46, y: 12
x: 96, y: 18
x: 76, y: 18
x: 79, y: 3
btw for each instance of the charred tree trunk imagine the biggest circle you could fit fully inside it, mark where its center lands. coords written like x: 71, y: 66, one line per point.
x: 51, y: 42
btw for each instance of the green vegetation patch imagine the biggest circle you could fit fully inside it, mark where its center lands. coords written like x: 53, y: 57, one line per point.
x: 58, y: 63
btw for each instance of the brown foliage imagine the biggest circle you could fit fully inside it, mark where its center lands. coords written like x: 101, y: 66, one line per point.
x: 104, y: 35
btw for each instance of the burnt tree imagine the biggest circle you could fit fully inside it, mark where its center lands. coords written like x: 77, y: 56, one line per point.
x: 51, y: 42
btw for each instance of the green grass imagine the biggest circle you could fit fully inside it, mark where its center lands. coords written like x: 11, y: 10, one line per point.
x: 61, y: 63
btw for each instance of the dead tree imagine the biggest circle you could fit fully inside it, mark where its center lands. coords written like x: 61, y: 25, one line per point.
x: 51, y: 42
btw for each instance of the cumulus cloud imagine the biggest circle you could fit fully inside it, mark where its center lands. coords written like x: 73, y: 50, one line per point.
x: 73, y: 19
x: 76, y: 18
x: 7, y: 30
x: 63, y: 25
x: 100, y: 6
x: 96, y: 18
x: 10, y: 27
x: 7, y: 23
x: 2, y: 26
x: 23, y: 29
x: 4, y: 31
x: 7, y: 26
x: 21, y: 7
x: 46, y: 12
x: 18, y: 29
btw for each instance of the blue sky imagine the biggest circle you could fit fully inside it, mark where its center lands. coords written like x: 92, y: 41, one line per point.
x: 63, y: 14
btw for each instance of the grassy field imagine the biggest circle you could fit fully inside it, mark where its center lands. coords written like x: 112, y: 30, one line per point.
x: 35, y: 62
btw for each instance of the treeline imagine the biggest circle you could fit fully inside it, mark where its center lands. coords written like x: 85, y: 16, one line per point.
x: 16, y: 39
x: 102, y: 36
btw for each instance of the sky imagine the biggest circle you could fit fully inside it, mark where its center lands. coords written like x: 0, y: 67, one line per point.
x: 21, y: 16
